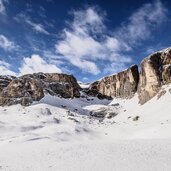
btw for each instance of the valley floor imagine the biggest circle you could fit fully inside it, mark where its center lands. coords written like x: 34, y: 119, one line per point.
x: 59, y: 134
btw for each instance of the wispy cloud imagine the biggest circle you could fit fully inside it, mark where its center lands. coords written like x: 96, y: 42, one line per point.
x: 142, y: 23
x: 7, y: 44
x: 5, y: 69
x: 87, y: 43
x: 36, y: 63
x: 2, y: 6
x: 35, y: 26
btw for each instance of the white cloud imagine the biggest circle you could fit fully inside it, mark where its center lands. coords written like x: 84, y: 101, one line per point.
x: 5, y: 69
x: 87, y: 66
x: 78, y: 45
x: 2, y: 7
x: 87, y: 44
x: 81, y: 47
x: 141, y: 23
x: 6, y: 44
x: 36, y: 64
x: 35, y: 26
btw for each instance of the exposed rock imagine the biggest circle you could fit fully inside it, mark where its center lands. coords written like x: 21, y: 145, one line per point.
x: 110, y: 115
x: 23, y: 91
x: 161, y: 93
x: 4, y: 81
x: 93, y: 91
x: 155, y: 72
x: 136, y: 118
x: 121, y: 85
x: 170, y: 90
x: 62, y: 85
x: 103, y: 112
x: 31, y: 87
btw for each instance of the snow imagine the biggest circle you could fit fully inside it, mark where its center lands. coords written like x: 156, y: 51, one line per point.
x: 83, y: 85
x: 59, y: 134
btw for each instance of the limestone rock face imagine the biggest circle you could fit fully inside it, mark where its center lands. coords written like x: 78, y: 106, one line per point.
x: 62, y: 85
x: 121, y: 85
x: 32, y: 87
x: 155, y: 72
x: 23, y: 91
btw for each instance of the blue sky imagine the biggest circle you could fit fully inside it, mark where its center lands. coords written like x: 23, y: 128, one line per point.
x: 89, y: 38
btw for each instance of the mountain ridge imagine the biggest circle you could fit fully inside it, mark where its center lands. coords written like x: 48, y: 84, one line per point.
x: 155, y: 71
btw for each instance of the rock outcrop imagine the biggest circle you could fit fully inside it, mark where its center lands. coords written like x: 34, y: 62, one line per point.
x: 62, y: 85
x: 5, y: 80
x: 121, y: 85
x: 21, y: 90
x: 28, y: 88
x: 155, y: 72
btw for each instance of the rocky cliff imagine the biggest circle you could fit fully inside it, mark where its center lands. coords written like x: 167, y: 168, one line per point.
x: 121, y: 85
x: 155, y: 71
x: 32, y: 87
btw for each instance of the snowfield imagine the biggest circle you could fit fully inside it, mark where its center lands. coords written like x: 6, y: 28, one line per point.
x: 62, y: 134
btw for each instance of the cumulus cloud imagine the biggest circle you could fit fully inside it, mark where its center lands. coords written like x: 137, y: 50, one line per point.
x: 87, y: 44
x: 5, y: 69
x: 35, y: 64
x: 6, y: 44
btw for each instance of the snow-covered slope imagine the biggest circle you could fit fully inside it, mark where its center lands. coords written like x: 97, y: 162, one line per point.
x: 60, y: 134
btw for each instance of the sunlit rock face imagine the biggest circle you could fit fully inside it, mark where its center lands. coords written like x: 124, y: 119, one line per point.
x: 121, y: 85
x: 155, y: 72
